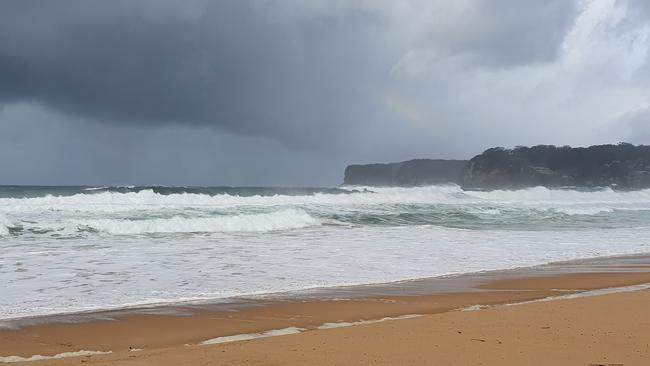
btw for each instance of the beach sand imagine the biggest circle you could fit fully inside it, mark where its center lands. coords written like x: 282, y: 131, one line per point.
x: 610, y: 329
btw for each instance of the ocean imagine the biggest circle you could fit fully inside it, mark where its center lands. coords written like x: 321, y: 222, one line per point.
x: 69, y: 249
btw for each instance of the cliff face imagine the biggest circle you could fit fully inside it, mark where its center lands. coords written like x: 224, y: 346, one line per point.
x: 623, y: 166
x: 408, y: 173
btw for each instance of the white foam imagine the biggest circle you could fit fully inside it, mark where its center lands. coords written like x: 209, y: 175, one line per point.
x: 116, y: 202
x: 543, y: 194
x: 249, y: 336
x: 278, y: 220
x: 474, y: 308
x: 584, y: 210
x: 576, y: 295
x: 485, y: 211
x: 4, y: 225
x: 13, y: 359
x: 75, y: 275
x: 96, y: 188
x: 590, y: 293
x: 567, y: 201
x: 364, y: 322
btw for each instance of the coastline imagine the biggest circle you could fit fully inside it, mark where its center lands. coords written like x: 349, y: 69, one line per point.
x: 169, y: 329
x: 263, y: 244
x: 453, y: 282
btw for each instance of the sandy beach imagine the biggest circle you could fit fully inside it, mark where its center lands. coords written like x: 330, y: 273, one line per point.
x: 404, y: 329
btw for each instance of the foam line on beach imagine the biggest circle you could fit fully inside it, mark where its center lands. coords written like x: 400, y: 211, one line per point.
x: 296, y: 330
x: 589, y: 293
x: 13, y: 359
x: 249, y: 336
x: 364, y: 322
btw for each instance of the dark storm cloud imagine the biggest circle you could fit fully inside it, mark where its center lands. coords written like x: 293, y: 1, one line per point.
x: 261, y: 68
x: 289, y: 92
x: 227, y: 64
x: 49, y: 148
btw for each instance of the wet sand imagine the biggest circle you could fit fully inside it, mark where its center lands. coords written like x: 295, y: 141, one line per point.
x: 604, y: 329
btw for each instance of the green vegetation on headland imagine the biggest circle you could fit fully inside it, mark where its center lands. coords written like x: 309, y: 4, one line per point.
x: 623, y: 166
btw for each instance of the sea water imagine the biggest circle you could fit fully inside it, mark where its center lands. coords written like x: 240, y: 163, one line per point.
x: 66, y: 249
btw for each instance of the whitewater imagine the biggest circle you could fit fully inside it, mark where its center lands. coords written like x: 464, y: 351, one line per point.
x: 67, y: 249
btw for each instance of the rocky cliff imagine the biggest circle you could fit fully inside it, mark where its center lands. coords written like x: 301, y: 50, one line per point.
x: 622, y: 166
x: 407, y: 173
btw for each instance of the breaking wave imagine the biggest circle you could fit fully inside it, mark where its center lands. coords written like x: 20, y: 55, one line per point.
x: 280, y: 220
x: 142, y: 210
x: 114, y: 201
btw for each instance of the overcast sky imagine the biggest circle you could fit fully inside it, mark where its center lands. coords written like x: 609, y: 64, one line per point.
x: 287, y: 92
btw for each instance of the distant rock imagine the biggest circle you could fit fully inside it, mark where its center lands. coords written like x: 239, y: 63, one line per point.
x: 622, y: 166
x: 417, y: 172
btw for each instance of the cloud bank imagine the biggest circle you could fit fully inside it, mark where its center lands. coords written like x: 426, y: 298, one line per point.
x: 279, y: 92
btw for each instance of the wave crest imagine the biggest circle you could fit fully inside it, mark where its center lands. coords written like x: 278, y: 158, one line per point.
x: 147, y: 211
x: 274, y: 221
x: 452, y: 195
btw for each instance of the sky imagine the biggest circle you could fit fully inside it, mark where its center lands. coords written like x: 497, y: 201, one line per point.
x: 285, y: 92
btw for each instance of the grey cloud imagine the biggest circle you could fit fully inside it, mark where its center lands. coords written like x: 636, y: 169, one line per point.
x: 229, y: 66
x: 636, y: 125
x: 505, y: 32
x: 639, y: 7
x: 38, y: 146
x: 277, y: 91
x: 305, y: 80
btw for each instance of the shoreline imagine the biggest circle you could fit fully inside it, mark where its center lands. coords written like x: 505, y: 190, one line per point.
x: 173, y: 327
x: 454, y: 282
